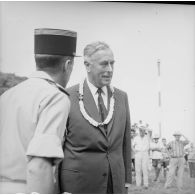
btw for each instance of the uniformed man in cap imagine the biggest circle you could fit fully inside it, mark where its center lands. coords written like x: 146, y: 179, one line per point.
x: 176, y: 151
x: 33, y: 117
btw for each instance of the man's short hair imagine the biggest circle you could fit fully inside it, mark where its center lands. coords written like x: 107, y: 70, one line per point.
x: 53, y: 62
x: 92, y: 48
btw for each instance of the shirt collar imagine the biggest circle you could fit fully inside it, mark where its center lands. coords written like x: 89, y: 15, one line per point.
x: 94, y: 89
x: 44, y: 75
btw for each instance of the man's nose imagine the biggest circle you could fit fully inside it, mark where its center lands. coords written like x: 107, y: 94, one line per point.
x: 109, y: 67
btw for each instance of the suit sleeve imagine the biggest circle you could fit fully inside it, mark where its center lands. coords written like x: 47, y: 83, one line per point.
x: 127, y: 145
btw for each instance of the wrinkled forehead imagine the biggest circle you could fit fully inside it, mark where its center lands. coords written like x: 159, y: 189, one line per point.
x: 102, y: 55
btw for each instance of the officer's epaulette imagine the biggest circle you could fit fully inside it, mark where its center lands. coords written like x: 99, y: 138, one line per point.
x: 60, y: 88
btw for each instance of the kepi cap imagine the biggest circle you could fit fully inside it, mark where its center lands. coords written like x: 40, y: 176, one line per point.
x: 55, y: 42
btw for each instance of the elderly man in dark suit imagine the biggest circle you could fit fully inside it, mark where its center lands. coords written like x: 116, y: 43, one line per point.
x: 97, y: 145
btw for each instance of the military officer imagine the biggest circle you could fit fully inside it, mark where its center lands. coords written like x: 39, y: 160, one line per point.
x: 33, y: 116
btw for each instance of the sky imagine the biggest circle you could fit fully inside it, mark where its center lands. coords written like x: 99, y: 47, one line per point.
x: 139, y: 34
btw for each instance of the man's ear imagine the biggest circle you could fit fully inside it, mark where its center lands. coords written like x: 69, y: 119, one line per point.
x: 68, y: 65
x: 87, y: 65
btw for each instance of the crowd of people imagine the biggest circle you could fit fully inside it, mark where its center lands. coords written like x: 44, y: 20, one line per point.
x: 151, y: 152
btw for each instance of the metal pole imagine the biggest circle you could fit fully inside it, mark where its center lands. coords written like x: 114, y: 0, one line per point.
x: 159, y: 96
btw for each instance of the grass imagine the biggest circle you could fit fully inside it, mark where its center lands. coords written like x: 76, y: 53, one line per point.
x: 158, y: 187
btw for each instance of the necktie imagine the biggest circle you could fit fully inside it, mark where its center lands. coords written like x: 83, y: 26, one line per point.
x: 101, y: 106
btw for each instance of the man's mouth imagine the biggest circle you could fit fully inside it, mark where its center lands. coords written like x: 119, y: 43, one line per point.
x: 106, y: 77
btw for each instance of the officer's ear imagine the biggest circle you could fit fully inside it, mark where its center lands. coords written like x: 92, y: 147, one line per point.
x: 68, y: 65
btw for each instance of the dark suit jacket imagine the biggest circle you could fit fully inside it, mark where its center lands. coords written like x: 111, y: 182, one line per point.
x: 89, y: 151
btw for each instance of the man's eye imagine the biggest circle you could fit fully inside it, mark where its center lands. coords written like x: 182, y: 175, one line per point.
x: 104, y: 63
x: 112, y: 63
x: 107, y: 63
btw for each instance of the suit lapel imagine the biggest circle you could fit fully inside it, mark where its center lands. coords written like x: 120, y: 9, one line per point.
x: 90, y: 106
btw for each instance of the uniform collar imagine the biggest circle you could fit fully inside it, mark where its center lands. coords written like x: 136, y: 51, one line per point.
x: 45, y: 76
x: 41, y: 75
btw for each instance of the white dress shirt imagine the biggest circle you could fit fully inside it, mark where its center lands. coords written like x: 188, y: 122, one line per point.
x: 141, y: 144
x: 94, y: 89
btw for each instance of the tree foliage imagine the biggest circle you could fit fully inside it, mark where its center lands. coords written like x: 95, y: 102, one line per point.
x: 8, y: 80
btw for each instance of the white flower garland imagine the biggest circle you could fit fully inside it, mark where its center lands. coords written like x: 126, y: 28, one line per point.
x: 87, y: 117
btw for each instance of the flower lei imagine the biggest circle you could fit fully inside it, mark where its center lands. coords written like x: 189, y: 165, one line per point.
x: 87, y: 117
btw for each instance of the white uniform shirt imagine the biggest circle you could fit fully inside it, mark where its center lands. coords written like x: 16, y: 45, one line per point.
x: 141, y: 144
x: 33, y: 118
x: 94, y: 89
x: 156, y: 154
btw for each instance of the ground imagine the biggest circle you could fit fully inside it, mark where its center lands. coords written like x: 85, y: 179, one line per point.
x: 158, y: 187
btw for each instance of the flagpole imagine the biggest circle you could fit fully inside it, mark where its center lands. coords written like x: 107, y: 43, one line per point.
x: 159, y: 97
